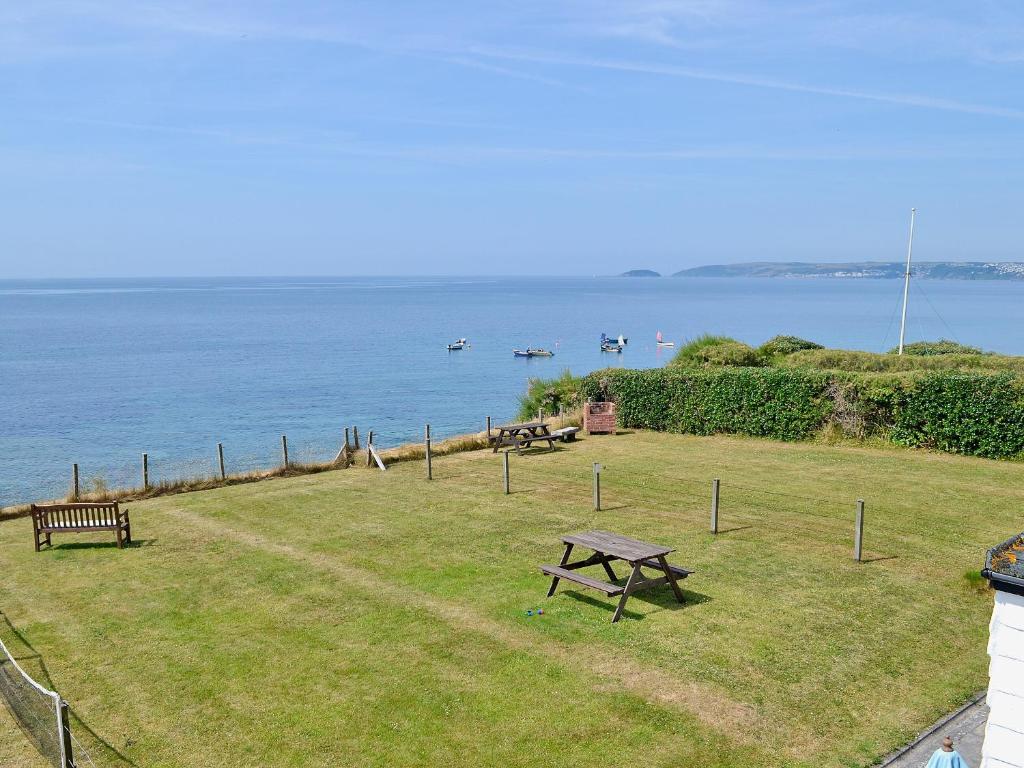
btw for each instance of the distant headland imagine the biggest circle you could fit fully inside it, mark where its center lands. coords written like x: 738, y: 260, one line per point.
x: 936, y: 270
x: 641, y: 273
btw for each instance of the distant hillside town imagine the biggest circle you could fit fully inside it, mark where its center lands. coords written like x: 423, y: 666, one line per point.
x: 935, y: 270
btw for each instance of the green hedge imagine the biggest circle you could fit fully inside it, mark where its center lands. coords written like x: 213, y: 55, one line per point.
x: 765, y: 402
x: 964, y: 413
x: 979, y: 414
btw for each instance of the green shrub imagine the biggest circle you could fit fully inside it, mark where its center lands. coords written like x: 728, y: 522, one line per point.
x: 872, y: 362
x: 784, y: 404
x: 778, y: 346
x: 940, y: 347
x: 692, y: 353
x: 941, y: 396
x: 865, y: 405
x: 974, y: 414
x: 734, y: 354
x: 550, y: 395
x: 980, y: 414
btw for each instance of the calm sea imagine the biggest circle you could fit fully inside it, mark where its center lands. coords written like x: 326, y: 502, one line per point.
x: 98, y: 372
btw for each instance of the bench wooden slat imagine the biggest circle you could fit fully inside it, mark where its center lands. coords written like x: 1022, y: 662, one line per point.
x: 680, y: 573
x: 602, y: 586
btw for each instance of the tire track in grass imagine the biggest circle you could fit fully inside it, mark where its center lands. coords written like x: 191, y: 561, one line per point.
x: 709, y: 706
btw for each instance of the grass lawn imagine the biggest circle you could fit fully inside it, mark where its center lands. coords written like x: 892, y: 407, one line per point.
x: 368, y: 619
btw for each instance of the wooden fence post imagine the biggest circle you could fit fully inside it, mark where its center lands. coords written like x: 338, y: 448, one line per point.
x: 715, y: 486
x: 597, y: 487
x: 504, y: 460
x: 858, y: 533
x: 67, y: 757
x: 488, y: 430
x: 145, y: 471
x: 346, y: 439
x: 74, y: 481
x: 369, y: 446
x: 284, y: 449
x: 426, y: 439
x: 355, y: 438
x: 220, y: 460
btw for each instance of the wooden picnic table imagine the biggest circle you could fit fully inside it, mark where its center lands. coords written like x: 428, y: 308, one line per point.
x: 609, y: 547
x: 519, y: 435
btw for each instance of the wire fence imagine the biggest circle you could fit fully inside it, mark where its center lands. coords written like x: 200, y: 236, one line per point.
x: 828, y: 516
x: 825, y: 517
x: 155, y: 469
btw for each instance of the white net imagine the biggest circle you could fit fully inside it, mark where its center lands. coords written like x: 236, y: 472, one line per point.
x: 41, y: 715
x: 36, y: 709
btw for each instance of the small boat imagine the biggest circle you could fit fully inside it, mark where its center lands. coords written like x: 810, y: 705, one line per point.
x: 622, y: 340
x: 662, y: 342
x: 531, y: 352
x: 608, y: 345
x: 460, y: 344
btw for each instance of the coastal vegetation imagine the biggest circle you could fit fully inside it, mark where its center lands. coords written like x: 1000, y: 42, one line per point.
x: 939, y: 395
x: 365, y: 618
x: 940, y: 347
x: 562, y: 394
x: 98, y: 490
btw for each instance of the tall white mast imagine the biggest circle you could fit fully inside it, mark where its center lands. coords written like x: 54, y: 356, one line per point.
x: 906, y: 281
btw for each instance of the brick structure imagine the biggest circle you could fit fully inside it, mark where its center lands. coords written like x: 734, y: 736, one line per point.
x: 599, y: 417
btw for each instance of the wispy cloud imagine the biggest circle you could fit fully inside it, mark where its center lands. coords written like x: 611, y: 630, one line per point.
x: 753, y: 81
x: 474, y: 63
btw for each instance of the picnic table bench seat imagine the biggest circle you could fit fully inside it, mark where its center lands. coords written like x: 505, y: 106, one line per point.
x: 566, y: 434
x: 549, y: 439
x: 678, y: 571
x: 80, y: 517
x: 563, y: 573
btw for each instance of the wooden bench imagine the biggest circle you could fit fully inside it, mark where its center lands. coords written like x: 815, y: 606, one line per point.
x: 48, y: 519
x: 566, y: 434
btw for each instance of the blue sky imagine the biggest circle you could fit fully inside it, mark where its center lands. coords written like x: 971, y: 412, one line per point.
x: 579, y: 137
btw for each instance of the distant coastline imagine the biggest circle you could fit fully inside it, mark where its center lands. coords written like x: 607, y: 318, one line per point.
x: 935, y: 270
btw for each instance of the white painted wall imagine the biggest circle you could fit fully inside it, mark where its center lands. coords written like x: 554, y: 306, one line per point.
x: 1004, y: 734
